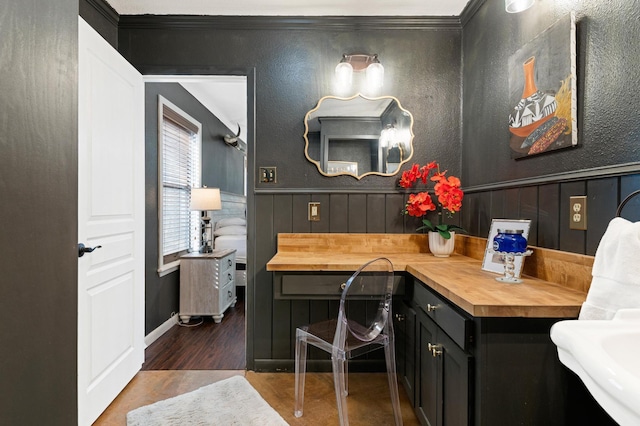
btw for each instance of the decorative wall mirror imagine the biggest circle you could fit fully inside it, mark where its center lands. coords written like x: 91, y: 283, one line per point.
x: 358, y: 136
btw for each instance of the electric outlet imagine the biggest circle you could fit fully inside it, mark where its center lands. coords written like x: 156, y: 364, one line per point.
x: 314, y: 211
x: 578, y: 213
x: 268, y: 174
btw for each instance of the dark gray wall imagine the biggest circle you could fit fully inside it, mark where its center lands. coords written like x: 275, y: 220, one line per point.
x: 465, y: 130
x: 39, y: 210
x: 608, y: 124
x: 294, y: 61
x: 222, y: 167
x: 608, y: 71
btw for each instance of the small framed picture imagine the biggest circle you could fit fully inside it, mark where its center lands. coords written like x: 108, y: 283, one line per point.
x: 494, y: 262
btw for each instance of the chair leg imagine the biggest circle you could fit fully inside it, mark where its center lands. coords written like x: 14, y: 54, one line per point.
x: 390, y: 356
x: 300, y: 372
x: 346, y: 377
x: 339, y: 385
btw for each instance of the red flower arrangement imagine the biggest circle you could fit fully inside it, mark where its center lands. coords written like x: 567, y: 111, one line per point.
x: 446, y: 189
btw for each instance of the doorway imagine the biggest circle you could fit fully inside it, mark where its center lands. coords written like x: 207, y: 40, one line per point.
x: 226, y: 98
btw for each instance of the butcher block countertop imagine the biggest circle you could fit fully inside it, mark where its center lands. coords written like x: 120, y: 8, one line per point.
x: 458, y: 278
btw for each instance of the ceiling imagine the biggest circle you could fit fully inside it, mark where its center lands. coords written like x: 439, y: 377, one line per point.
x: 291, y: 7
x: 225, y: 96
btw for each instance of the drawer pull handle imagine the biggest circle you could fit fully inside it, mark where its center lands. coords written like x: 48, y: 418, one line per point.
x: 435, y: 350
x: 343, y: 286
x: 230, y: 262
x: 400, y: 317
x: 230, y: 294
x: 431, y: 308
x: 230, y: 277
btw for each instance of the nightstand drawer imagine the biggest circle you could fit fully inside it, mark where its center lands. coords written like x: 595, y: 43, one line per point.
x: 225, y: 277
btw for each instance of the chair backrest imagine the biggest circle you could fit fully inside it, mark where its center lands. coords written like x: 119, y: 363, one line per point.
x: 373, y: 283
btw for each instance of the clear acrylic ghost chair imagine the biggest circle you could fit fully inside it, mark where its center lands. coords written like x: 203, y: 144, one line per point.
x: 345, y: 338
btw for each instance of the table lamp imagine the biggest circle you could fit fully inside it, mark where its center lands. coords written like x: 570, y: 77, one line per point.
x: 205, y: 199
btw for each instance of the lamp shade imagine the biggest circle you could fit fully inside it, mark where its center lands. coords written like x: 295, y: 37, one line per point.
x: 515, y: 6
x: 375, y: 75
x: 344, y: 74
x: 205, y: 199
x: 387, y: 136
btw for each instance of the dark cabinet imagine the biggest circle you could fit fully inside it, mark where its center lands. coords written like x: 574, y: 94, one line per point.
x: 404, y: 327
x: 445, y: 376
x: 484, y: 370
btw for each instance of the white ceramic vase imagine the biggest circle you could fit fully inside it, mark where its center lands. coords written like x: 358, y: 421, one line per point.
x: 441, y: 247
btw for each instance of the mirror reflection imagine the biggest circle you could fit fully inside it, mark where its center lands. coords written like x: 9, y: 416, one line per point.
x: 358, y: 136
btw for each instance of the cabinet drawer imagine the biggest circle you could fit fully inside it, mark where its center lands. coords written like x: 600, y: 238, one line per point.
x: 226, y: 277
x: 227, y: 263
x: 457, y: 325
x: 323, y: 286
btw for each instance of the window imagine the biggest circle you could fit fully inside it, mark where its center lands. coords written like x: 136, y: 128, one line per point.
x: 179, y: 165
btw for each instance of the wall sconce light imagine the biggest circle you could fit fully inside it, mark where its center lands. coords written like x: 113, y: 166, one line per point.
x: 388, y: 136
x: 359, y: 62
x: 205, y: 199
x: 515, y: 6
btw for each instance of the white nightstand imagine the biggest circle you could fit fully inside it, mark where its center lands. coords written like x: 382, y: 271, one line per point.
x: 207, y: 284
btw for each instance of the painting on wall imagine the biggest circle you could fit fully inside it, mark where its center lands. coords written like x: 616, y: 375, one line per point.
x: 542, y: 89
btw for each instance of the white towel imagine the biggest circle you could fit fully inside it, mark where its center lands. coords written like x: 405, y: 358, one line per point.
x: 616, y: 272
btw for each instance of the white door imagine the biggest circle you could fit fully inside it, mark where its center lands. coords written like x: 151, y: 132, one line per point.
x: 110, y: 215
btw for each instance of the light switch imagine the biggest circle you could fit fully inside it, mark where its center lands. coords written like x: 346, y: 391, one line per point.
x: 268, y: 174
x: 314, y: 211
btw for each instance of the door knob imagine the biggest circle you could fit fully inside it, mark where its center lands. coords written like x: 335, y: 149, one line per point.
x: 82, y: 249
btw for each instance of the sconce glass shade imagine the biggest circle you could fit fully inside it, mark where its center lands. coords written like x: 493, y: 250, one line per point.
x: 387, y: 136
x: 515, y: 6
x: 205, y: 199
x: 375, y: 75
x: 344, y: 74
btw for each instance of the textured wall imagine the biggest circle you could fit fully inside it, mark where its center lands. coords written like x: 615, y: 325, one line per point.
x: 295, y: 68
x: 222, y: 167
x: 293, y: 65
x: 608, y: 123
x: 426, y: 68
x: 608, y: 75
x: 39, y: 212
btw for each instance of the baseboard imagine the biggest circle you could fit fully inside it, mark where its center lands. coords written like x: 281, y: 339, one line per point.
x: 163, y: 328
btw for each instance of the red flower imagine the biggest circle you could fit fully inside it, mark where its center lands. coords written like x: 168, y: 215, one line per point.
x: 409, y: 177
x: 419, y: 204
x: 446, y: 189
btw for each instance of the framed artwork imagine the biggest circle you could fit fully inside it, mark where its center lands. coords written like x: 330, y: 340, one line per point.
x: 494, y: 262
x: 542, y: 92
x: 342, y: 167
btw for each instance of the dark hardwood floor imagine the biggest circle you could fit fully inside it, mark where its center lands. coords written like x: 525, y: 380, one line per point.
x: 208, y: 346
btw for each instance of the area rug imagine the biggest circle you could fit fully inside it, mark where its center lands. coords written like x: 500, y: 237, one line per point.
x: 228, y: 402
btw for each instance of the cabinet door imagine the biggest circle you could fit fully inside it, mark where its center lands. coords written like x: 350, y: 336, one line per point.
x: 456, y: 369
x: 444, y: 377
x: 404, y: 326
x: 429, y: 374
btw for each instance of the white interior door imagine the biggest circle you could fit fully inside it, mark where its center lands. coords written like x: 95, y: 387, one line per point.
x: 110, y: 215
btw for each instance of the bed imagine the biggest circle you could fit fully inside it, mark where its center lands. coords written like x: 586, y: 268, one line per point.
x: 231, y: 233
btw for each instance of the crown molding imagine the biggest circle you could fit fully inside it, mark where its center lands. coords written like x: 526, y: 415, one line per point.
x: 102, y: 7
x: 312, y: 23
x: 470, y: 9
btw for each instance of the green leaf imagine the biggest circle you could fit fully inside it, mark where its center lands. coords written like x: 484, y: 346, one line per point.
x: 427, y: 225
x: 444, y: 233
x: 456, y: 227
x: 442, y: 227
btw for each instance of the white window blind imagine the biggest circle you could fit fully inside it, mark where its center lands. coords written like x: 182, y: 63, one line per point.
x: 179, y: 171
